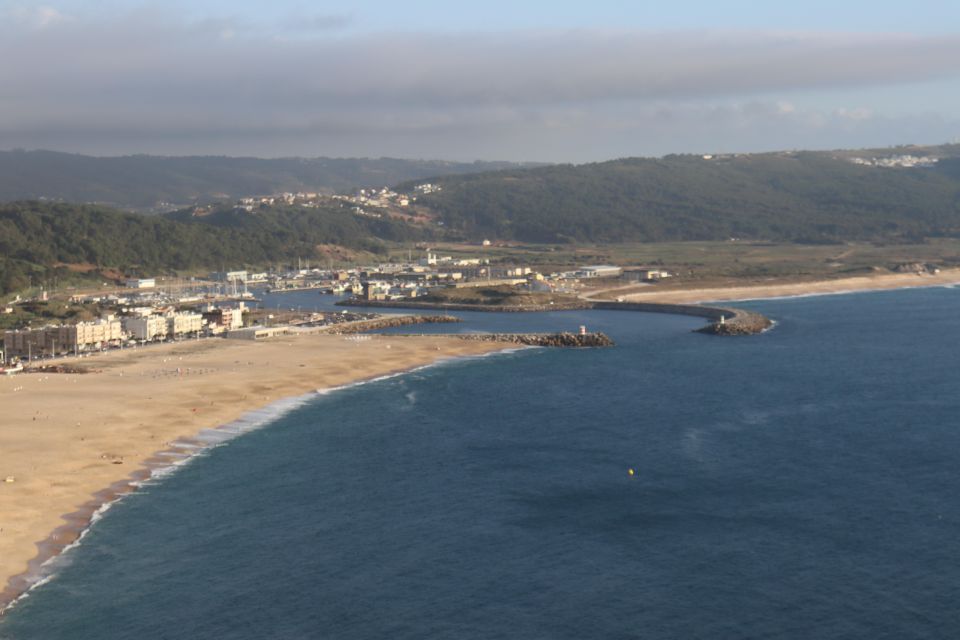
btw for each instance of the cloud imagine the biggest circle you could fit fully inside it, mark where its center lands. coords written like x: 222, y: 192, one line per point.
x: 31, y: 17
x: 858, y: 113
x: 142, y: 75
x: 318, y: 22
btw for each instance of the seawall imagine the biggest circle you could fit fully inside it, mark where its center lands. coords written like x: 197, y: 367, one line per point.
x: 725, y: 321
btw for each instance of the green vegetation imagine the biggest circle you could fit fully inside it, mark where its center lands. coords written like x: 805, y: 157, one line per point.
x: 721, y: 262
x: 146, y: 182
x: 36, y: 313
x: 42, y: 241
x: 803, y: 197
x: 801, y: 214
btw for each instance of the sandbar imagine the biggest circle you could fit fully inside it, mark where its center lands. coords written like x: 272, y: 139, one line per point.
x: 783, y: 289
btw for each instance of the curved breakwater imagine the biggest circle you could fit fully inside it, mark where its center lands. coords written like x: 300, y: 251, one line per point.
x: 724, y: 321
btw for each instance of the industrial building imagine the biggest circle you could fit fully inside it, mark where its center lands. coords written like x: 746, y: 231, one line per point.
x: 600, y: 271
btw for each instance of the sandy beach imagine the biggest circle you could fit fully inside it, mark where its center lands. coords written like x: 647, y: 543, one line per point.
x: 786, y: 289
x: 69, y: 442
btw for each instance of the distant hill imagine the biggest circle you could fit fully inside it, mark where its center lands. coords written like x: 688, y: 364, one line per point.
x: 802, y: 197
x: 143, y: 182
x: 811, y: 197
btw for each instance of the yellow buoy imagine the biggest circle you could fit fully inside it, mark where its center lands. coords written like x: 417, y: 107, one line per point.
x: 630, y: 471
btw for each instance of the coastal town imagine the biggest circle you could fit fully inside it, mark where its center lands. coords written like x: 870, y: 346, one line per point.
x: 143, y: 310
x: 479, y: 320
x: 368, y: 202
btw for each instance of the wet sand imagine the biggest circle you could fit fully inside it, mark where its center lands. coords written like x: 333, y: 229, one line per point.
x: 71, y: 442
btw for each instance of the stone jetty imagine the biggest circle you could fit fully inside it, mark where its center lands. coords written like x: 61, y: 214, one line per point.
x: 739, y: 323
x: 724, y: 321
x: 565, y: 339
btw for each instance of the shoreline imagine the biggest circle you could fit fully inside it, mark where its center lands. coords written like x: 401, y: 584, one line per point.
x: 40, y: 537
x: 182, y: 444
x: 784, y: 290
x: 161, y: 464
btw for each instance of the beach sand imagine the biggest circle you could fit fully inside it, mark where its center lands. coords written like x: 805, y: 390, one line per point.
x: 70, y: 442
x: 786, y: 289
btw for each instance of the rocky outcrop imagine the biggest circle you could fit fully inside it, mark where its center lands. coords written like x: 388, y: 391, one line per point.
x: 58, y: 368
x: 569, y: 340
x: 916, y: 267
x: 744, y: 323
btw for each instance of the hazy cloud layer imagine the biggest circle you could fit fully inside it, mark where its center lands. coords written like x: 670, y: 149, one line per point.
x: 144, y: 82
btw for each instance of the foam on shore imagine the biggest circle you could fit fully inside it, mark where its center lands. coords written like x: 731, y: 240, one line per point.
x: 53, y: 552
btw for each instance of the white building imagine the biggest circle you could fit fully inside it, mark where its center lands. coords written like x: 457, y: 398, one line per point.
x: 233, y: 318
x: 229, y: 276
x: 184, y: 322
x: 651, y: 275
x: 146, y: 327
x: 141, y: 283
x: 600, y: 271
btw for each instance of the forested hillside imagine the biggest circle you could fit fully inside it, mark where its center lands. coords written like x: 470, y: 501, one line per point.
x: 796, y: 197
x: 146, y: 182
x: 39, y: 240
x: 802, y: 197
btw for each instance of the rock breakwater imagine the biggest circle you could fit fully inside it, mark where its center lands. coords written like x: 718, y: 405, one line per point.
x: 744, y: 323
x: 725, y: 321
x: 565, y: 339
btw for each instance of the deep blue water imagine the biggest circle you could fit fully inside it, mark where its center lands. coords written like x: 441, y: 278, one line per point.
x: 799, y: 484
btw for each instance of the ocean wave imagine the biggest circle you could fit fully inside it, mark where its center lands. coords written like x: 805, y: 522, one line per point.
x: 47, y: 570
x: 180, y: 453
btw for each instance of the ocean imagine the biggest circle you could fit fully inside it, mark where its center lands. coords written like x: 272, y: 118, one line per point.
x: 798, y: 484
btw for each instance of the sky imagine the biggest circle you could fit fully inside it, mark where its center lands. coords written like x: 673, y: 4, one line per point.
x: 494, y: 80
